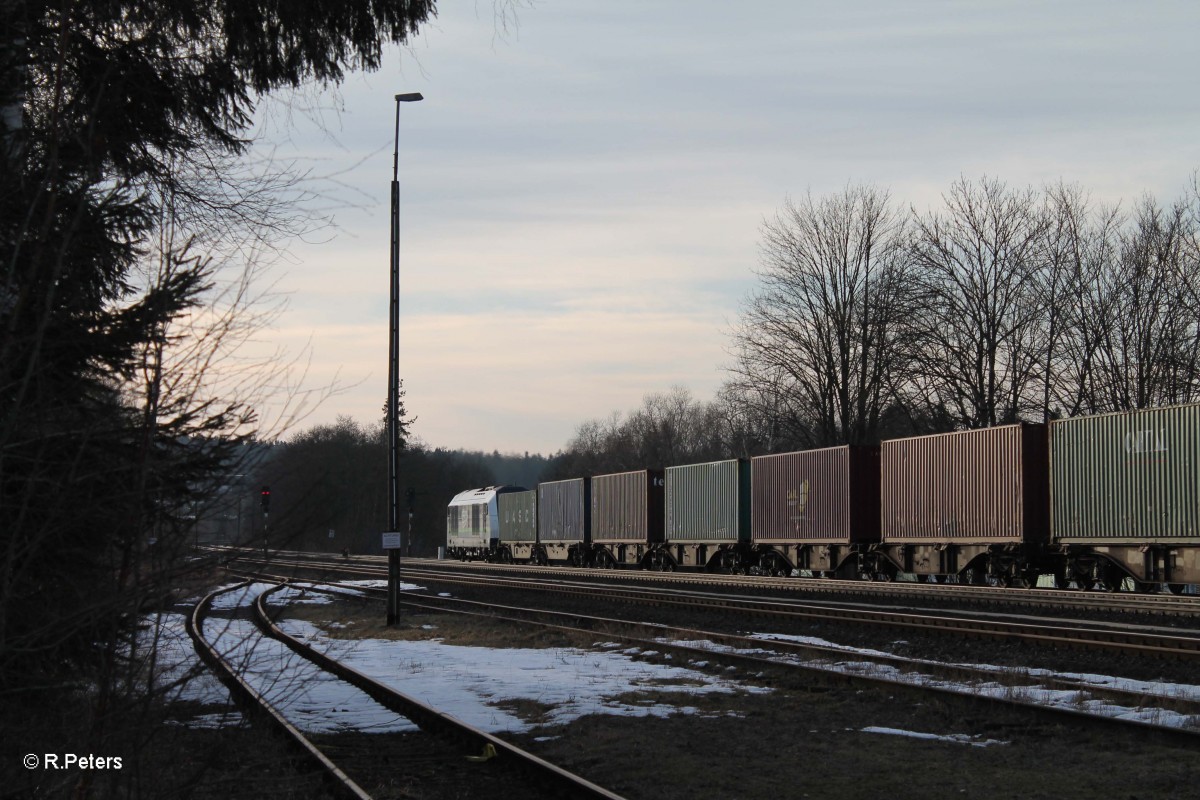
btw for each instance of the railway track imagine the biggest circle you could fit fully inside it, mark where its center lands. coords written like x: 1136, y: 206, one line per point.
x: 1074, y: 698
x: 1115, y: 637
x: 1157, y: 604
x: 436, y: 755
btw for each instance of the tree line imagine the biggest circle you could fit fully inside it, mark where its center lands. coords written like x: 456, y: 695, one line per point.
x: 329, y: 489
x: 873, y: 321
x: 136, y: 219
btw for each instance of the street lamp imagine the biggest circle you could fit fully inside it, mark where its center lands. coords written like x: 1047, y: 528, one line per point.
x: 393, y: 613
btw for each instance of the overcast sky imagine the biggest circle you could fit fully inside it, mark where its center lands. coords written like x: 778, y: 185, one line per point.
x: 582, y: 195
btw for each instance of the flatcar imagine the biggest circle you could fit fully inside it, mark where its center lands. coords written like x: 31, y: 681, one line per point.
x: 1125, y: 498
x: 518, y: 537
x: 968, y: 505
x: 564, y: 521
x: 1106, y: 501
x: 813, y: 511
x: 627, y: 519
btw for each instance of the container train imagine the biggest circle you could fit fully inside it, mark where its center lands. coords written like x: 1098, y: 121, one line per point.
x: 1108, y: 501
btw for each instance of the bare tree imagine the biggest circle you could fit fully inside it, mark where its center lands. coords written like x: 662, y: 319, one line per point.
x: 1070, y: 283
x: 672, y: 428
x: 978, y: 261
x: 1149, y: 354
x: 669, y: 429
x: 827, y: 318
x: 751, y: 415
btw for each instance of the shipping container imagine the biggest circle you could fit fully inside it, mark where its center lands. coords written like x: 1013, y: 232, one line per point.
x: 987, y: 486
x: 518, y: 516
x: 628, y: 507
x: 1127, y: 477
x: 708, y: 502
x: 828, y: 496
x: 563, y: 511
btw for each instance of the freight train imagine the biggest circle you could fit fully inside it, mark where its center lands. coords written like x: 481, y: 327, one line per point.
x: 1109, y: 501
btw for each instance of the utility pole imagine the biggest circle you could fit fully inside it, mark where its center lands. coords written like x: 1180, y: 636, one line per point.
x: 265, y: 499
x: 391, y: 537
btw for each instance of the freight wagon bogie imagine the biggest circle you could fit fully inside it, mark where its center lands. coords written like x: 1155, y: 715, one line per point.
x: 947, y: 562
x: 731, y: 558
x: 1142, y: 568
x: 631, y: 555
x: 563, y: 554
x: 815, y: 560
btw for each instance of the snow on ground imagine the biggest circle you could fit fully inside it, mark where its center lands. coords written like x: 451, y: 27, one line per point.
x: 1070, y: 699
x: 472, y: 683
x: 314, y: 700
x: 481, y: 685
x: 956, y: 738
x: 469, y: 683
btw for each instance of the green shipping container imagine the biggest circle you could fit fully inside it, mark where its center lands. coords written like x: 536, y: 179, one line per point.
x: 708, y: 502
x: 1127, y: 477
x: 518, y: 516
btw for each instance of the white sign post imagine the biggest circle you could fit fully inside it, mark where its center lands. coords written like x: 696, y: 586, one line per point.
x: 391, y: 541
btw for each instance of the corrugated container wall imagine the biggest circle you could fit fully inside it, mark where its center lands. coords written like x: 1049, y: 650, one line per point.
x: 983, y: 486
x: 823, y: 496
x: 518, y: 516
x: 708, y: 502
x: 628, y: 507
x: 563, y: 508
x: 1131, y: 476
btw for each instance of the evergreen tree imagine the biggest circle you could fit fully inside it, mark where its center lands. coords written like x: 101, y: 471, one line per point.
x: 119, y: 119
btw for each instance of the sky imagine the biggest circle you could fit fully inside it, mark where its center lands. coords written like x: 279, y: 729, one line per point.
x: 584, y: 186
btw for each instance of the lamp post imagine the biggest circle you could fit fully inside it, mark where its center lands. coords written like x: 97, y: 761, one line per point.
x: 393, y: 612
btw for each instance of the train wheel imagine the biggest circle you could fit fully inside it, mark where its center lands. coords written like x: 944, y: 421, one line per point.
x: 772, y: 564
x: 1176, y: 588
x: 1027, y: 578
x: 972, y: 577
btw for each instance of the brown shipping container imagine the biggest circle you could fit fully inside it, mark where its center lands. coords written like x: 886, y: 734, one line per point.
x: 1131, y: 476
x: 982, y: 486
x: 828, y: 496
x: 628, y: 507
x: 563, y: 508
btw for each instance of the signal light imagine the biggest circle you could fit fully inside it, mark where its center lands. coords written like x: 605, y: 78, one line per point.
x: 265, y: 497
